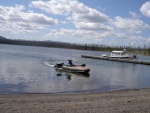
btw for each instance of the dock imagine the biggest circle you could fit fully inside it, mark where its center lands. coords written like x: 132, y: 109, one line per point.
x: 116, y: 59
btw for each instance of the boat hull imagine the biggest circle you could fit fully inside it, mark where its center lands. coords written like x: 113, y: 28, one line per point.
x: 129, y: 58
x: 74, y: 69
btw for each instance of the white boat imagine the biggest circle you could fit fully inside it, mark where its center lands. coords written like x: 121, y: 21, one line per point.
x: 119, y: 54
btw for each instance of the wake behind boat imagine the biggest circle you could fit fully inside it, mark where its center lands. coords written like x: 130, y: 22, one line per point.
x: 74, y: 69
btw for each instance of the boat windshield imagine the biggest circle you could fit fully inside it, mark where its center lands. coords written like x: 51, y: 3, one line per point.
x: 118, y: 53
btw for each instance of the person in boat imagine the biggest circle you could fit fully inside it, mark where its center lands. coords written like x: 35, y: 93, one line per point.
x: 69, y: 63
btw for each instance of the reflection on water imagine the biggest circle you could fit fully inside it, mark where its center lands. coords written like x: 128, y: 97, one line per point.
x: 69, y: 74
x: 26, y: 69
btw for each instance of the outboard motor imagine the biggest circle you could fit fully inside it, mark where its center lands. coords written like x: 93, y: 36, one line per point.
x: 59, y: 65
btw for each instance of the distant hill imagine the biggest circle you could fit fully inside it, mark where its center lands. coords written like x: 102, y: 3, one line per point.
x: 2, y: 37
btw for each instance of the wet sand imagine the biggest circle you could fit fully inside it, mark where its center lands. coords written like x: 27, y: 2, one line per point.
x: 125, y: 101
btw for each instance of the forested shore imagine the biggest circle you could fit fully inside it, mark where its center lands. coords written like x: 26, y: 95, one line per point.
x: 93, y: 47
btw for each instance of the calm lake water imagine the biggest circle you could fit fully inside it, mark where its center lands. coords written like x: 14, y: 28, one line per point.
x: 25, y: 69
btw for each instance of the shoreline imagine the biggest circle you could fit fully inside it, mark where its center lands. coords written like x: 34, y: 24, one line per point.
x: 132, y: 100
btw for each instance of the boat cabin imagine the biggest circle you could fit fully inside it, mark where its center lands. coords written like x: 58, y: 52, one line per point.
x: 118, y: 54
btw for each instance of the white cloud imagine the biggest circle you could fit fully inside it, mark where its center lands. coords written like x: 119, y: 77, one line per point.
x: 145, y: 9
x: 130, y: 25
x: 93, y: 26
x: 137, y: 40
x: 111, y: 34
x: 16, y: 19
x: 78, y: 10
x: 86, y: 23
x: 81, y: 15
x: 148, y: 40
x: 74, y: 34
x: 134, y: 15
x: 84, y: 36
x: 53, y: 6
x: 87, y: 18
x: 89, y: 36
x: 39, y: 19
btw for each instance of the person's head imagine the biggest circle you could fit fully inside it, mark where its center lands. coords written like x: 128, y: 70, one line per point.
x: 70, y: 60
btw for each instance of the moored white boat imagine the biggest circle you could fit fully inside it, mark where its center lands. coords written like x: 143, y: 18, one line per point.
x: 119, y: 54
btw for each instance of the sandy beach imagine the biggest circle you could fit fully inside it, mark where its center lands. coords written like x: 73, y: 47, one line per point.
x: 125, y: 101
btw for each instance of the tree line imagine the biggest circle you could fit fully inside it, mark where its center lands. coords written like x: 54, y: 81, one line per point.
x: 94, y: 47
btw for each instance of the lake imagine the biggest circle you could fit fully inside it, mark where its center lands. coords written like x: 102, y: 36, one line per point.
x: 26, y: 69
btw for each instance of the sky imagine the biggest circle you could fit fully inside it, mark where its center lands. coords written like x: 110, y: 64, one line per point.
x: 108, y: 22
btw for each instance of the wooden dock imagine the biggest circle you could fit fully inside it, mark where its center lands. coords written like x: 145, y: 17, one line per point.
x: 116, y: 59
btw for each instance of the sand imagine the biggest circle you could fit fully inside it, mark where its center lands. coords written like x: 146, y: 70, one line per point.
x: 125, y: 101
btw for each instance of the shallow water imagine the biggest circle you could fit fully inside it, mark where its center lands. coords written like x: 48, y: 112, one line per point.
x: 25, y: 69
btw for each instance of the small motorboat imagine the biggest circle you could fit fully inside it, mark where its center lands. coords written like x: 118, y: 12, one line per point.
x: 74, y: 69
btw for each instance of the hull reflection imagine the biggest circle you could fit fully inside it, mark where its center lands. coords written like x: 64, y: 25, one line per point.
x: 69, y: 74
